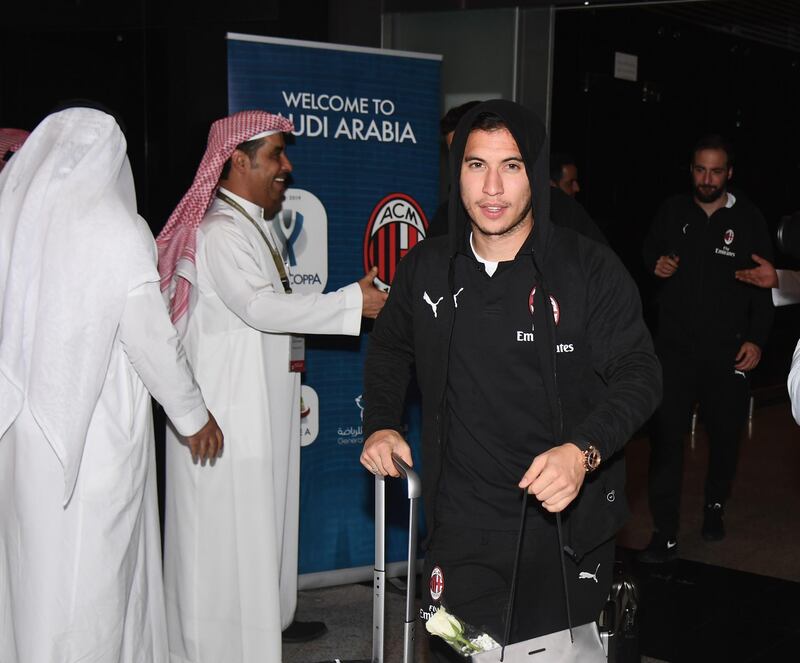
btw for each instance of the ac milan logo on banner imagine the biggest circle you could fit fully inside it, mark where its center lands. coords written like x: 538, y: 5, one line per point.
x: 436, y: 583
x: 728, y: 237
x: 553, y: 303
x: 396, y: 224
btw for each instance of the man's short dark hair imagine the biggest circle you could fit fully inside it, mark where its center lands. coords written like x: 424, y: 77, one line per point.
x: 557, y: 162
x: 249, y: 147
x: 714, y: 142
x: 488, y: 122
x: 450, y: 120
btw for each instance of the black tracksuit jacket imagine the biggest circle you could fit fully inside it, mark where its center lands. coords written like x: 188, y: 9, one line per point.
x: 601, y: 392
x: 702, y: 307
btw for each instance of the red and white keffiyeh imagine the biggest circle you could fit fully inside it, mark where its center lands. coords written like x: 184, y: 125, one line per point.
x: 177, y: 241
x: 10, y: 141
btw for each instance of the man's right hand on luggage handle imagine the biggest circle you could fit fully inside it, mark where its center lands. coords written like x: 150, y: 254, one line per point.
x: 378, y: 449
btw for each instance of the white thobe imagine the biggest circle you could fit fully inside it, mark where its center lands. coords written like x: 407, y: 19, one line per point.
x: 82, y: 582
x: 230, y: 559
x: 793, y: 383
x: 788, y: 292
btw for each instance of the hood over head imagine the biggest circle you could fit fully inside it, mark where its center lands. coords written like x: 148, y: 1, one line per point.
x: 529, y: 133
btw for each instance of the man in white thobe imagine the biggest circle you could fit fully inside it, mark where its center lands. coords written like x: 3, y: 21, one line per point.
x: 785, y: 285
x: 229, y: 292
x: 84, y: 334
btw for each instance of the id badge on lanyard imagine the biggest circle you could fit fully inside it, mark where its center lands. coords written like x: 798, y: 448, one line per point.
x: 297, y: 355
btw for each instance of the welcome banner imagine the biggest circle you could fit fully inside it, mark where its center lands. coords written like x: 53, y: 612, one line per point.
x: 365, y: 181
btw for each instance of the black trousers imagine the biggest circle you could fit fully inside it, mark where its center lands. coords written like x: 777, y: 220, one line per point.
x: 474, y: 569
x: 710, y: 380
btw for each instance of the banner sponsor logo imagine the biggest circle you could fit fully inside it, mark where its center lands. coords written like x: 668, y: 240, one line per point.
x: 353, y: 434
x: 309, y: 415
x: 396, y: 225
x: 301, y: 227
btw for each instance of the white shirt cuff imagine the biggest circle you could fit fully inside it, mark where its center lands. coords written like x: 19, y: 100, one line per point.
x: 788, y: 290
x: 353, y: 302
x: 191, y: 422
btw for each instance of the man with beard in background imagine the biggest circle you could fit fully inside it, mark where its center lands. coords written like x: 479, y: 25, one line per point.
x: 710, y: 332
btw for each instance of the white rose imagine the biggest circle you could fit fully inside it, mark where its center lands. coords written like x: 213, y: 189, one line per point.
x: 444, y: 625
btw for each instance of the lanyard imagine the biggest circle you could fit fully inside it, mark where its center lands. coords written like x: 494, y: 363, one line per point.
x: 273, y: 252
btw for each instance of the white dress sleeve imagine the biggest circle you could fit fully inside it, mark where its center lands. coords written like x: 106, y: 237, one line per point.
x: 793, y: 383
x: 156, y: 353
x: 788, y: 290
x: 245, y: 289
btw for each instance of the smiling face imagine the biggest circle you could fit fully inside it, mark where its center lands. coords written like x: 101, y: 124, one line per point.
x: 495, y: 190
x: 262, y: 179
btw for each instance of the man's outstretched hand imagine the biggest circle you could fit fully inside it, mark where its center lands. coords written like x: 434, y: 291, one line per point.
x: 373, y: 299
x: 764, y: 276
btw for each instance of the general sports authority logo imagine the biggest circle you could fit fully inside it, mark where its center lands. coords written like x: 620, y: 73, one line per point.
x: 396, y: 224
x: 553, y: 303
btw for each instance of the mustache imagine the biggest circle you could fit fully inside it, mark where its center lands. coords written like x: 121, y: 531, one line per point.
x: 493, y: 203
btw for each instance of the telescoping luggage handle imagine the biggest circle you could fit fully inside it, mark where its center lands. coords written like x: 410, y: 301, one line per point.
x: 414, y: 487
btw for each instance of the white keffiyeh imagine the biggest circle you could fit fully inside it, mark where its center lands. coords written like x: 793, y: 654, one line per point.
x: 69, y: 253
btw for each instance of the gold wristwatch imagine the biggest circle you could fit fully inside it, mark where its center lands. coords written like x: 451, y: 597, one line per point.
x: 591, y: 458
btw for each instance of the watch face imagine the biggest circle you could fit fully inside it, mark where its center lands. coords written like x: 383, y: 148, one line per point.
x: 592, y: 458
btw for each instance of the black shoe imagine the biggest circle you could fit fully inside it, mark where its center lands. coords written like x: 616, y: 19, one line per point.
x: 713, y: 527
x: 303, y: 631
x: 661, y: 549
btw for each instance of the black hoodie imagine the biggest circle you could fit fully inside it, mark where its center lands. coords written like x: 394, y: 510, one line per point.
x: 599, y: 374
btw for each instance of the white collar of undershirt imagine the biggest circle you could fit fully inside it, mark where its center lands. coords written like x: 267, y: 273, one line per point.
x: 251, y: 208
x: 731, y: 200
x: 489, y: 265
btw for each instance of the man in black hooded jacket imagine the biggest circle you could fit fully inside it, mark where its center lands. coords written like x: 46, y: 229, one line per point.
x: 535, y: 368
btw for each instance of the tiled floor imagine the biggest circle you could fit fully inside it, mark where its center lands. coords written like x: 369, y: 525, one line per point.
x: 735, y: 601
x: 761, y: 518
